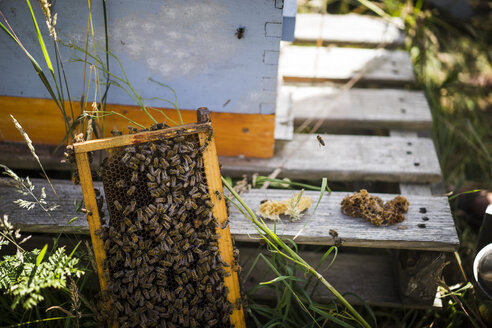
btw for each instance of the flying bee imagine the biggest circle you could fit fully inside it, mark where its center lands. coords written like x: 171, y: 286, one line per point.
x: 320, y: 140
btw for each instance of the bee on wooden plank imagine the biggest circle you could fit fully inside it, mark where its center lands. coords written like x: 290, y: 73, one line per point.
x: 320, y: 140
x: 240, y: 32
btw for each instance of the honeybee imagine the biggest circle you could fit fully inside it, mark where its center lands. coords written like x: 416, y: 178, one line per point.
x: 131, y: 190
x: 134, y: 177
x: 320, y: 140
x: 218, y: 194
x: 126, y: 158
x: 127, y: 210
x: 117, y: 205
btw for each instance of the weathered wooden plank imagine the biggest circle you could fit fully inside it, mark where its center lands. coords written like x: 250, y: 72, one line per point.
x: 284, y: 119
x: 360, y: 108
x: 348, y: 29
x: 346, y: 158
x: 439, y: 232
x: 42, y: 121
x: 423, y: 189
x: 313, y: 64
x: 343, y: 158
x: 367, y: 276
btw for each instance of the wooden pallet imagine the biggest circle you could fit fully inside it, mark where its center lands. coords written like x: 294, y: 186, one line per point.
x: 439, y: 233
x: 331, y: 64
x: 356, y: 108
x: 346, y: 158
x: 348, y: 30
x: 373, y: 275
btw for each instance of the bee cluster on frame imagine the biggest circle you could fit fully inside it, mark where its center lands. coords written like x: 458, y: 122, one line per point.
x: 161, y: 241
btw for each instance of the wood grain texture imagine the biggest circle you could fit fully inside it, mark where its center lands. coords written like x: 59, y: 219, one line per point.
x: 284, y: 118
x: 250, y: 135
x: 439, y: 233
x: 219, y: 211
x: 360, y: 108
x: 346, y: 158
x: 312, y: 64
x: 93, y: 218
x: 131, y: 139
x: 348, y: 29
x: 367, y: 275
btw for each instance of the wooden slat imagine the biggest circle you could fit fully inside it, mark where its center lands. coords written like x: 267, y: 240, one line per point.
x: 312, y: 64
x: 225, y: 243
x: 346, y: 158
x: 366, y: 275
x: 284, y: 119
x: 360, y: 108
x: 439, y: 233
x: 348, y: 29
x: 235, y: 133
x: 423, y: 189
x: 130, y: 139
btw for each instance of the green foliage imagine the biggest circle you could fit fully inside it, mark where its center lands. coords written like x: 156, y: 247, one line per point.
x: 26, y: 281
x: 287, y: 250
x: 295, y: 293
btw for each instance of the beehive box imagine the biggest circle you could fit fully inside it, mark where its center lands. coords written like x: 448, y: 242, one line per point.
x: 195, y: 47
x: 165, y: 256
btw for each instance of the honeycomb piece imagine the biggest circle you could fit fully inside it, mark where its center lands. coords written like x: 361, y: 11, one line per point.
x: 394, y: 210
x: 273, y: 209
x: 371, y: 208
x: 292, y: 207
x: 363, y: 205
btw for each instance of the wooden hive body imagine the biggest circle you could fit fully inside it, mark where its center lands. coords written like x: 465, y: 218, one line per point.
x: 194, y: 47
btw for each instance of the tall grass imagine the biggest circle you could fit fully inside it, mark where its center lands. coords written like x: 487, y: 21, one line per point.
x: 287, y: 251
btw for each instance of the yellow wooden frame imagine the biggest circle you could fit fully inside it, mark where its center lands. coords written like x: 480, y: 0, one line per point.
x: 203, y: 128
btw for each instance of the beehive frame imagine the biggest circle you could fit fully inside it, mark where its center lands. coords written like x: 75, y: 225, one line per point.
x: 203, y: 128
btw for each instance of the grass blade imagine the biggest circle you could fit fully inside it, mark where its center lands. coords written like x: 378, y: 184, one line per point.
x: 324, y: 186
x: 261, y: 179
x: 281, y: 278
x: 41, y: 255
x: 33, y: 151
x: 40, y: 39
